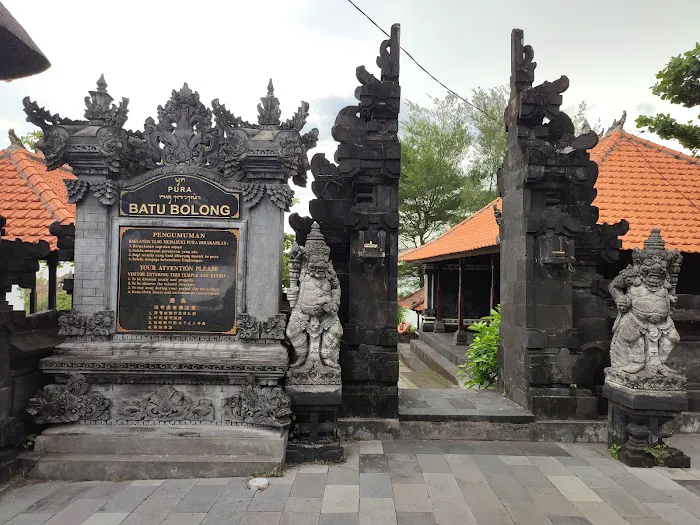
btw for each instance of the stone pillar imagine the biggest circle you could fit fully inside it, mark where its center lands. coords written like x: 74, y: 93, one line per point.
x: 461, y: 336
x: 439, y: 290
x: 429, y: 298
x: 547, y: 187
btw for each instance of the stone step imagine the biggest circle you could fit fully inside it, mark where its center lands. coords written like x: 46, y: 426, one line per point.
x: 161, y: 440
x: 435, y: 361
x: 443, y: 345
x: 114, y: 467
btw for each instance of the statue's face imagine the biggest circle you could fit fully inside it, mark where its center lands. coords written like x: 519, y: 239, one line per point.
x: 653, y: 271
x: 317, y: 267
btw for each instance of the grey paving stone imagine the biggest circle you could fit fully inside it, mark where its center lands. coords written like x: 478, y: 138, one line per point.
x: 441, y: 485
x: 106, y: 490
x: 261, y: 518
x: 526, y: 513
x: 411, y: 498
x: 569, y: 520
x: 407, y: 472
x: 429, y: 446
x: 76, y: 512
x: 433, y: 463
x: 400, y: 446
x: 573, y: 461
x: 530, y: 476
x: 309, y: 486
x: 408, y: 456
x: 469, y: 474
x: 29, y: 519
x: 173, y: 489
x: 452, y: 512
x: 639, y: 490
x: 553, y: 503
x: 624, y: 504
x: 673, y: 514
x: 574, y: 489
x: 600, y: 513
x: 375, y: 485
x: 128, y: 499
x: 60, y: 498
x: 309, y: 505
x: 481, y: 499
x: 347, y: 518
x: 507, y: 487
x: 415, y: 518
x: 106, y: 518
x: 236, y: 488
x: 371, y: 447
x: 493, y: 519
x: 214, y: 481
x: 299, y: 518
x: 532, y: 448
x: 200, y: 498
x: 373, y: 463
x: 342, y: 475
x: 593, y: 477
x: 341, y: 499
x: 184, y: 518
x: 377, y: 511
x: 490, y: 464
x: 549, y: 466
x: 151, y: 512
x: 273, y: 499
x: 228, y: 511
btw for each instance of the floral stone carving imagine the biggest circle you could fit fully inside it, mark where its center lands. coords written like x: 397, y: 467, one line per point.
x: 644, y: 333
x: 74, y: 323
x: 166, y: 404
x: 314, y: 328
x: 259, y: 405
x: 67, y: 402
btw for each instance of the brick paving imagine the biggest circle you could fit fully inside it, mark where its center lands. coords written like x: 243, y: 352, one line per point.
x: 403, y: 482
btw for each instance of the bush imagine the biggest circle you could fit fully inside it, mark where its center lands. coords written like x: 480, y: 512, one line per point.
x: 481, y: 366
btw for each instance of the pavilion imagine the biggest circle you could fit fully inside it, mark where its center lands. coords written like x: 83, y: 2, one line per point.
x: 643, y: 182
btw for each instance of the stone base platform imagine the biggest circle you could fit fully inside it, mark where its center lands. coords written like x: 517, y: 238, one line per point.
x: 80, y: 452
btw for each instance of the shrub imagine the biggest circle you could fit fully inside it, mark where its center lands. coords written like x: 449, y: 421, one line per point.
x: 481, y: 366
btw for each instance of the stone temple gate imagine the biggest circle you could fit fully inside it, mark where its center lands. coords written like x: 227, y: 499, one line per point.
x: 176, y: 351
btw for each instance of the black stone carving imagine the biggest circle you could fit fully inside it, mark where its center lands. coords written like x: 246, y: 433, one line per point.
x: 98, y: 110
x: 106, y: 191
x: 550, y: 251
x: 356, y: 207
x: 269, y: 108
x: 166, y: 404
x: 75, y: 324
x: 15, y: 141
x: 65, y: 234
x: 260, y: 406
x: 68, y: 401
x: 76, y: 189
x: 249, y: 328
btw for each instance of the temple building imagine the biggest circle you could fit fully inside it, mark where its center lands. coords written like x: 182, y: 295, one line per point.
x: 33, y: 199
x: 643, y: 182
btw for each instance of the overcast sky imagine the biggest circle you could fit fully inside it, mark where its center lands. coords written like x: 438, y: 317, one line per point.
x: 609, y: 49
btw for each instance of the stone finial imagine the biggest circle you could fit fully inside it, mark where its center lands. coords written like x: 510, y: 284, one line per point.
x: 15, y: 141
x: 618, y: 123
x: 269, y: 109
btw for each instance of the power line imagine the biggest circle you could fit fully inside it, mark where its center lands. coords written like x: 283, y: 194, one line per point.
x: 425, y: 70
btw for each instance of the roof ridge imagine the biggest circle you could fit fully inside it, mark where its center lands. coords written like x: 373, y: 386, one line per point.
x: 614, y: 142
x: 663, y: 149
x: 46, y: 195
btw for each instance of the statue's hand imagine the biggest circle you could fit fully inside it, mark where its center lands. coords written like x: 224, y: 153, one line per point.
x: 673, y: 299
x: 623, y: 303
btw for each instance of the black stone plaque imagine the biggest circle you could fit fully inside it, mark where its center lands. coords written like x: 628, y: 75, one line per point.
x: 177, y: 280
x: 181, y: 196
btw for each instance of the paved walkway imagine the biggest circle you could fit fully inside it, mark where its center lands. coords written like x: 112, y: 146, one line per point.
x: 393, y: 482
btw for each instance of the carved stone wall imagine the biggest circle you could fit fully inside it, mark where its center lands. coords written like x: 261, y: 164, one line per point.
x: 356, y: 206
x: 553, y: 323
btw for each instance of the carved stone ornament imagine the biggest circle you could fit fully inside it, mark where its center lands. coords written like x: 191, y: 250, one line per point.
x: 106, y: 191
x: 76, y: 189
x: 74, y: 323
x: 314, y: 327
x: 259, y: 405
x: 250, y: 328
x: 280, y: 194
x: 644, y: 333
x: 67, y: 402
x: 166, y: 404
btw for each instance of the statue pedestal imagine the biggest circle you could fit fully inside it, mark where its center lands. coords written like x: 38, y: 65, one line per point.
x: 314, y: 436
x: 636, y: 420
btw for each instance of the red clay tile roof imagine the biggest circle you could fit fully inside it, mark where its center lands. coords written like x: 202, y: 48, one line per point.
x: 413, y: 301
x: 638, y: 180
x: 32, y: 197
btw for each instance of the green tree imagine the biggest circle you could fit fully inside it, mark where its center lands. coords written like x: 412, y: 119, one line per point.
x: 31, y: 138
x: 63, y: 300
x: 581, y: 122
x: 679, y: 83
x: 289, y: 239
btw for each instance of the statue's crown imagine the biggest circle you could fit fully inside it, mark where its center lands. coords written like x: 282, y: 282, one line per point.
x: 316, y: 244
x: 654, y: 246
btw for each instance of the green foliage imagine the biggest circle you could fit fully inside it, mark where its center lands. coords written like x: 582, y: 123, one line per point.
x: 659, y: 452
x: 289, y: 239
x: 614, y: 450
x: 27, y: 442
x: 63, y: 300
x: 400, y: 315
x: 31, y: 138
x: 679, y: 83
x: 481, y: 366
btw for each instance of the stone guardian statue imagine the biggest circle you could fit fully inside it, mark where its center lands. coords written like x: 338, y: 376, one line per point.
x: 314, y: 328
x: 644, y: 334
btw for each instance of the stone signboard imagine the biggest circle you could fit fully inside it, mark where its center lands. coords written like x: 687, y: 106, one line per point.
x: 179, y: 196
x: 177, y: 280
